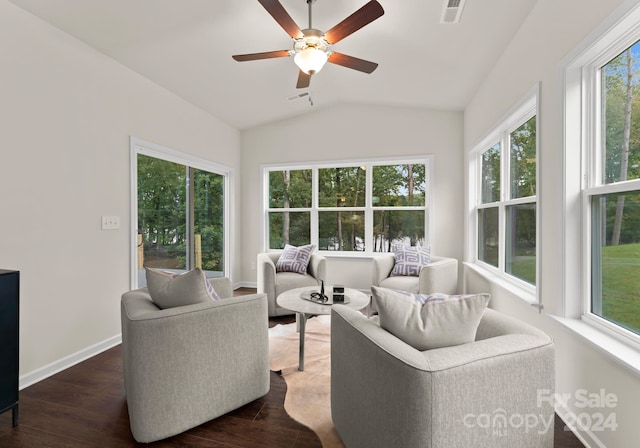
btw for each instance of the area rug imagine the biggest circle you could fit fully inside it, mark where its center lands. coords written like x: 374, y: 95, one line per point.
x: 308, y: 398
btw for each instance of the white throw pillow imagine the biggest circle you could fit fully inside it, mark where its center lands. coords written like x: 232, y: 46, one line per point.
x: 441, y: 321
x: 169, y: 290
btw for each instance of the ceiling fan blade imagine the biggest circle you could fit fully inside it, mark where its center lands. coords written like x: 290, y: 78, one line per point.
x: 303, y: 80
x: 265, y: 55
x: 363, y: 16
x: 277, y: 11
x: 351, y: 62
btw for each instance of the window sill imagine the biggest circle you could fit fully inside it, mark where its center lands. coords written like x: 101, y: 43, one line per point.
x: 347, y: 255
x: 528, y: 295
x: 623, y: 354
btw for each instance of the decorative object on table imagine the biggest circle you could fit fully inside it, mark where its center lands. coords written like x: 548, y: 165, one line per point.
x: 9, y: 334
x: 338, y: 294
x: 319, y: 297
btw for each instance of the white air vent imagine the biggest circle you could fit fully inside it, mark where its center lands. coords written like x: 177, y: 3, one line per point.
x: 451, y: 11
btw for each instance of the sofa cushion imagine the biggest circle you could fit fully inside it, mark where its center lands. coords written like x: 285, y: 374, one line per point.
x: 289, y: 280
x: 295, y: 259
x: 169, y: 290
x: 410, y: 259
x: 430, y: 321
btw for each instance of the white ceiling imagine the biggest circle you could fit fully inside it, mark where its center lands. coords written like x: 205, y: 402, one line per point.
x: 186, y: 46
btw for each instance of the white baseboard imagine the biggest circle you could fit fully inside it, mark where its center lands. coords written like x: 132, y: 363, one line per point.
x: 585, y: 435
x: 40, y: 374
x: 245, y: 285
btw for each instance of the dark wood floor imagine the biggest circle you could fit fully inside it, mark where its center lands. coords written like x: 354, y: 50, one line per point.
x: 85, y: 406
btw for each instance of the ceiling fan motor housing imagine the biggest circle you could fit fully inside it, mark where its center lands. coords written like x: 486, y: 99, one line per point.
x: 312, y: 38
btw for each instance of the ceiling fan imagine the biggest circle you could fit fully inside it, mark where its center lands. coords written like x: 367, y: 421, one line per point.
x: 312, y: 47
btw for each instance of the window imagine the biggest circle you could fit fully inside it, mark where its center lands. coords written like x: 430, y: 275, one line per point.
x: 361, y: 207
x: 601, y: 244
x: 612, y: 189
x: 181, y: 212
x: 505, y: 209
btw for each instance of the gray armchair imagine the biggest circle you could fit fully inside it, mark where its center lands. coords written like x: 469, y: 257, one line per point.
x: 187, y: 365
x: 440, y: 275
x: 274, y: 283
x: 386, y: 393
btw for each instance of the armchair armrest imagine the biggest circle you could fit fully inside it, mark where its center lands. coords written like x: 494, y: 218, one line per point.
x: 266, y: 275
x: 382, y: 266
x: 440, y: 275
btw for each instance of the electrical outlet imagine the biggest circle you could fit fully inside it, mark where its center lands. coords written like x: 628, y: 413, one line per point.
x: 110, y: 222
x: 253, y: 265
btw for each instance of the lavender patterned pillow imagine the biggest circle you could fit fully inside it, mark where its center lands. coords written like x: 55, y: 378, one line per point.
x: 410, y: 260
x: 295, y: 259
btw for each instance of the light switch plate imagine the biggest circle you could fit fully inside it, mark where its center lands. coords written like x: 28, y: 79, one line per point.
x: 110, y: 222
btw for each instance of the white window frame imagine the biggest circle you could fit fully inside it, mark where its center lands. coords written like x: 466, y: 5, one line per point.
x: 582, y: 140
x: 138, y: 146
x: 368, y: 208
x: 523, y: 111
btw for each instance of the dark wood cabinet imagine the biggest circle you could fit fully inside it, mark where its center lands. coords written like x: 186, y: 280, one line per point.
x: 9, y: 337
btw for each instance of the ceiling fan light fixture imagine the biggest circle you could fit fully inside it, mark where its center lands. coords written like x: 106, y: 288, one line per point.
x: 310, y: 60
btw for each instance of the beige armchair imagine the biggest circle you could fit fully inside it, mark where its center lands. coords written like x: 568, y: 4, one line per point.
x: 274, y: 283
x: 484, y: 394
x: 187, y: 365
x: 440, y: 275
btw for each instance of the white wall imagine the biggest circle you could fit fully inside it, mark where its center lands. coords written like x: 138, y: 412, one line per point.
x: 552, y: 30
x: 66, y: 114
x: 356, y: 132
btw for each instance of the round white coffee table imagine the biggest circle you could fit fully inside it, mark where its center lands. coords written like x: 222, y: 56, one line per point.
x: 292, y: 300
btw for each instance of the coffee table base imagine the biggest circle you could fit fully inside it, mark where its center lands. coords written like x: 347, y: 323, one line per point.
x: 305, y: 309
x: 302, y: 324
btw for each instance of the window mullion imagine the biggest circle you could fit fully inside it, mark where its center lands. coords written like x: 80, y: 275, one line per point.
x: 505, y: 190
x: 313, y: 220
x: 368, y: 213
x: 502, y: 238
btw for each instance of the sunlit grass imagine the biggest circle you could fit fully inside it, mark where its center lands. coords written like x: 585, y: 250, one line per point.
x: 621, y: 285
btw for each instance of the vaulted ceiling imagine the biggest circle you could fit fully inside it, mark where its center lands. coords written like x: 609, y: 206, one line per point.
x: 186, y: 47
